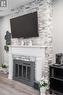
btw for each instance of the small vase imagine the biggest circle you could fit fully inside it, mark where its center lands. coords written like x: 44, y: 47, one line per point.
x: 43, y: 91
x: 30, y: 43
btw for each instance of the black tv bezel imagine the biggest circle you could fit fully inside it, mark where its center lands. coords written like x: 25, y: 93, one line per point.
x: 37, y: 34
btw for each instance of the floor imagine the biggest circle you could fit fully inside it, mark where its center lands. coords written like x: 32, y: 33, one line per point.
x: 6, y: 90
x: 11, y: 87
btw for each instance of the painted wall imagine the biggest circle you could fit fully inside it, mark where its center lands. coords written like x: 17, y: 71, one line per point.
x: 4, y: 26
x: 58, y: 27
x: 1, y: 53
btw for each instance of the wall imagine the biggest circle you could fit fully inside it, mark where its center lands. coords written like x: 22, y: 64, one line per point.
x: 1, y: 53
x: 58, y: 27
x: 44, y: 10
x: 4, y: 26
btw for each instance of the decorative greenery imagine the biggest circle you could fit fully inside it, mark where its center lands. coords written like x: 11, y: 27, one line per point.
x: 3, y: 66
x: 43, y: 83
x: 6, y: 47
x: 8, y: 41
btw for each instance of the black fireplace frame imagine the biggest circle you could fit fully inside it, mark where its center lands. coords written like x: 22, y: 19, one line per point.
x: 29, y: 65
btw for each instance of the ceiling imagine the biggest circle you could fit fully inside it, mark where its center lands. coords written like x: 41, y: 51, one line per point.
x: 12, y: 4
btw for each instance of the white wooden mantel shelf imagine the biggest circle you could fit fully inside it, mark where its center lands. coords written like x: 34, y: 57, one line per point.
x: 26, y: 46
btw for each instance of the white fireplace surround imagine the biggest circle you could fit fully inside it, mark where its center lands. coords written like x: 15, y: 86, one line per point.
x: 33, y: 53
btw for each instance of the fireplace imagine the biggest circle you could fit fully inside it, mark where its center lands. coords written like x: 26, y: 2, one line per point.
x: 26, y: 63
x: 24, y: 71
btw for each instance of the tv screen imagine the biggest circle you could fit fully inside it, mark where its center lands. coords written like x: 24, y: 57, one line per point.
x: 25, y: 26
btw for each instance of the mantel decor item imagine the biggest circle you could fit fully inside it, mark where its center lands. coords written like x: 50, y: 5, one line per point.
x: 30, y: 43
x: 6, y: 47
x: 8, y: 38
x: 8, y: 41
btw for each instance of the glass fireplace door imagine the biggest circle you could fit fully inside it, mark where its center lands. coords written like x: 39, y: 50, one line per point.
x: 24, y: 71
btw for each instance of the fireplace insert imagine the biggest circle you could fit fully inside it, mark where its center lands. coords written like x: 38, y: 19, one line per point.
x: 24, y: 71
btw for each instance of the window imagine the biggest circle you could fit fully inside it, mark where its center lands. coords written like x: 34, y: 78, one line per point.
x: 3, y: 3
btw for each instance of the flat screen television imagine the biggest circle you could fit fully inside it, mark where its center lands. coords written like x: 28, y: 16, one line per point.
x: 25, y: 26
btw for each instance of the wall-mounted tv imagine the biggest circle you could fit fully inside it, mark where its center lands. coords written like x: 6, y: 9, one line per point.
x: 25, y: 26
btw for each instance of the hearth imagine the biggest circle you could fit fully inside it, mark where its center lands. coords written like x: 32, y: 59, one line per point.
x: 24, y: 71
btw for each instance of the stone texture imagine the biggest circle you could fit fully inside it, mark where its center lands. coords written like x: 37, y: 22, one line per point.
x: 44, y: 10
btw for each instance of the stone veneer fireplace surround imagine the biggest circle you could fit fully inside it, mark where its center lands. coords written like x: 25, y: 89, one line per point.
x: 28, y: 53
x: 41, y: 49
